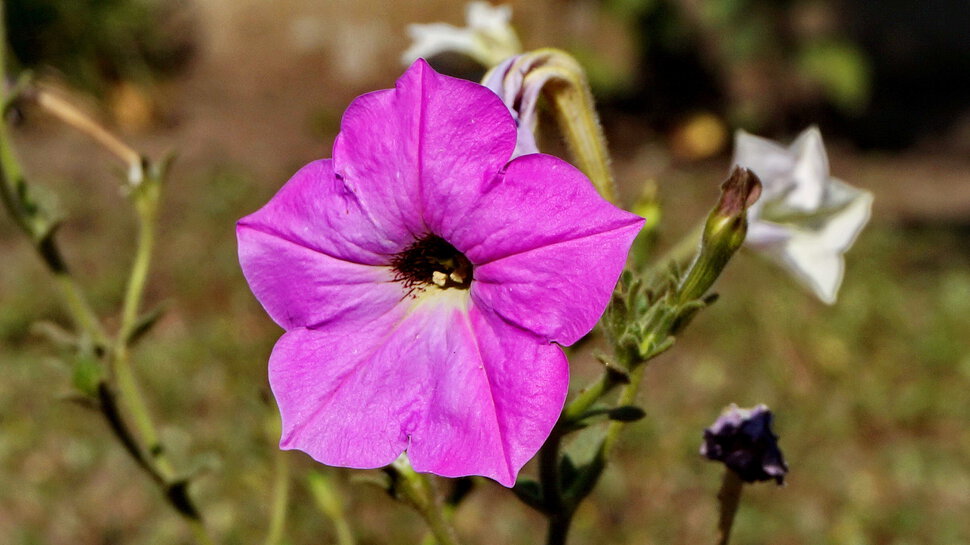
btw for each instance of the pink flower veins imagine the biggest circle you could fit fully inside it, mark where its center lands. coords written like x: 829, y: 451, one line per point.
x: 422, y: 280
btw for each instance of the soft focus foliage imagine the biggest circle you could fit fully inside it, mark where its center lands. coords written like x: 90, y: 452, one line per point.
x: 97, y: 43
x: 870, y: 394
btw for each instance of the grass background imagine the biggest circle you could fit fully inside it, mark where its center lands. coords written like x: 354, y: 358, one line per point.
x: 870, y: 395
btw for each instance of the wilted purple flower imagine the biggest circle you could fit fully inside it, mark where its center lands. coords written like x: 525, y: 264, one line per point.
x: 422, y: 280
x: 743, y: 440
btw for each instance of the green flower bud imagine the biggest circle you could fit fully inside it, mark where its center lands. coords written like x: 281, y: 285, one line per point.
x: 724, y: 232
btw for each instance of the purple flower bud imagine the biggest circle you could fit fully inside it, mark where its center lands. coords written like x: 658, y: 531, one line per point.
x: 743, y: 440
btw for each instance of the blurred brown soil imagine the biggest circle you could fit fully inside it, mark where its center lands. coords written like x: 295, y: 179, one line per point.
x: 267, y: 89
x: 266, y: 93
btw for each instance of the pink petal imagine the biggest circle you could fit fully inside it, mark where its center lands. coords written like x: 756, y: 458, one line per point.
x: 310, y: 255
x: 539, y: 200
x: 558, y: 291
x: 492, y: 413
x: 463, y: 393
x: 422, y: 150
x: 315, y: 210
x: 303, y: 287
x: 548, y: 261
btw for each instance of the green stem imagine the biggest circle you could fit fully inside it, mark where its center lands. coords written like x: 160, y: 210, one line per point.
x: 146, y: 199
x: 572, y: 101
x: 588, y: 397
x: 281, y: 497
x: 419, y: 491
x: 129, y: 393
x: 329, y: 502
x: 12, y: 193
x: 558, y: 528
x: 146, y: 203
x: 549, y: 457
x: 729, y: 498
x: 628, y: 396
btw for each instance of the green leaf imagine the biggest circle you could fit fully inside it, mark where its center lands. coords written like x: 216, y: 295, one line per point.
x: 567, y: 471
x: 86, y: 374
x: 144, y: 324
x: 626, y: 413
x: 178, y: 494
x: 529, y: 491
x: 842, y: 71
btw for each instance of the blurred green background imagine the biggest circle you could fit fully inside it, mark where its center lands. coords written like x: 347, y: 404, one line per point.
x: 870, y: 395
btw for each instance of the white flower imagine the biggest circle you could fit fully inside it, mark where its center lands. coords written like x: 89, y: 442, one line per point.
x: 488, y: 37
x: 805, y: 220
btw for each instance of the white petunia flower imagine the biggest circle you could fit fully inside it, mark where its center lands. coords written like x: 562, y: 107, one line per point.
x: 487, y: 37
x: 805, y: 220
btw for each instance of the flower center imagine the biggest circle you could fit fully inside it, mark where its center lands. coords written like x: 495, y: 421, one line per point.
x: 432, y: 261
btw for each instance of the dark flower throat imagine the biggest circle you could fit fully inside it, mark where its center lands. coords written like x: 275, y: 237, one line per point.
x: 432, y: 261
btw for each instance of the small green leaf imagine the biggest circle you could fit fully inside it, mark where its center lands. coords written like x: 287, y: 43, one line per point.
x: 652, y: 349
x: 567, y: 471
x: 86, y: 374
x: 178, y: 495
x: 529, y: 491
x: 626, y: 413
x: 144, y: 324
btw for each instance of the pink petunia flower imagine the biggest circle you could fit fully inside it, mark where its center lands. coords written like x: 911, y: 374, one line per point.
x: 422, y: 280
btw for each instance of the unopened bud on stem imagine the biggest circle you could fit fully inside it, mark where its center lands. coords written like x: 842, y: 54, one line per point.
x: 724, y: 232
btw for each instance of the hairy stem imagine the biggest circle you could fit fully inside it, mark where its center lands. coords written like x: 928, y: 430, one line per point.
x: 572, y: 101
